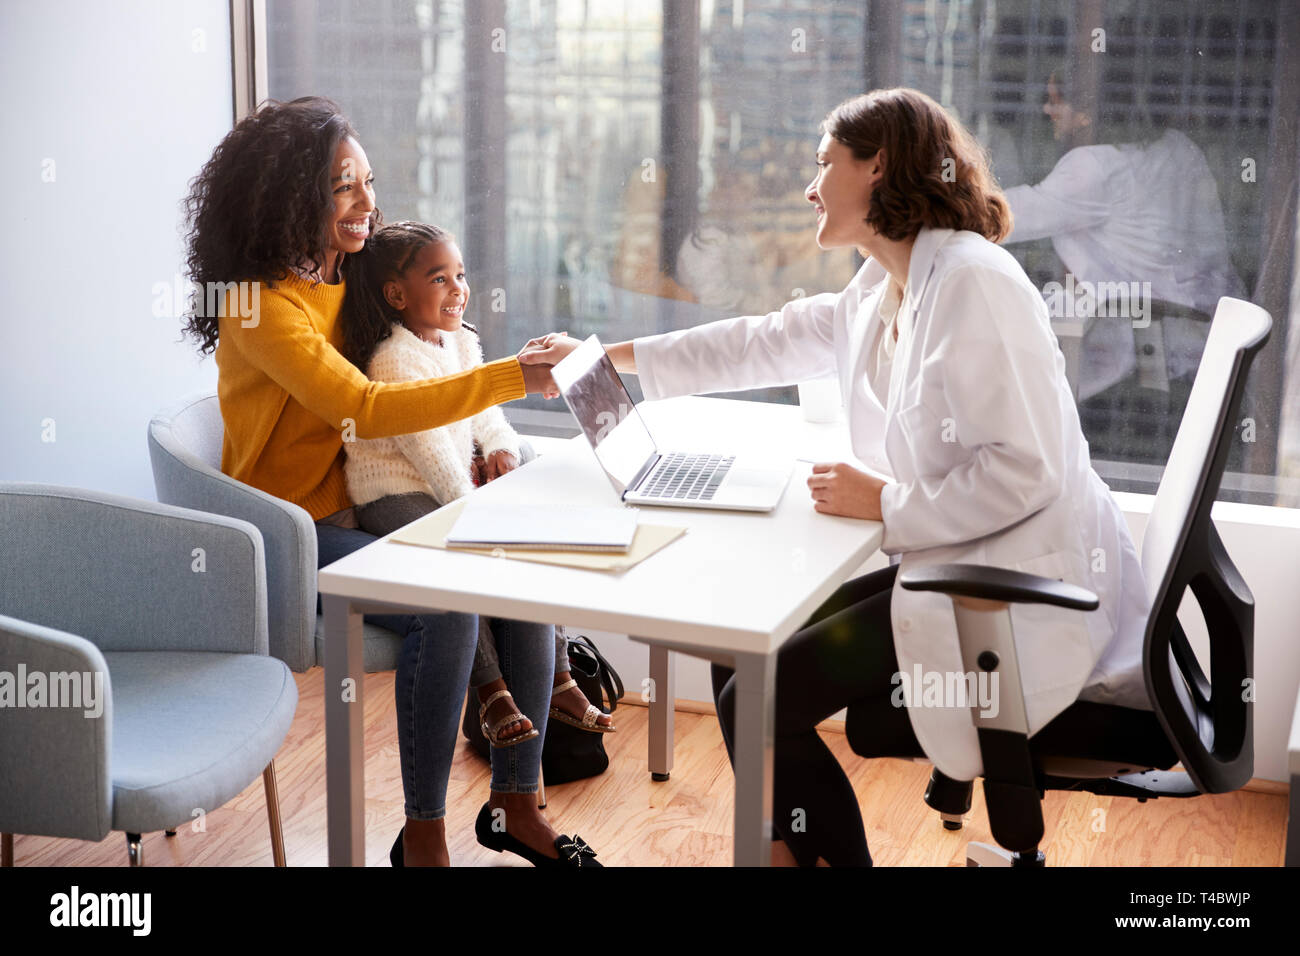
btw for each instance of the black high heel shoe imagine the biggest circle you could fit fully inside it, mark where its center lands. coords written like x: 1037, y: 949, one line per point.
x: 573, y: 851
x: 397, y: 855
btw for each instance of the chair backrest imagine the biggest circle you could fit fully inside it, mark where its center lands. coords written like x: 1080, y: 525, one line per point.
x: 120, y: 571
x: 1208, y: 720
x: 199, y: 428
x: 185, y: 451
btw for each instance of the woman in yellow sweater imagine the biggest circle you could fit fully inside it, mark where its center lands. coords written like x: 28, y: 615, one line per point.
x: 286, y: 196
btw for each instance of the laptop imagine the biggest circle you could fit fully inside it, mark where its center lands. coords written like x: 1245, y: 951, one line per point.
x: 638, y: 470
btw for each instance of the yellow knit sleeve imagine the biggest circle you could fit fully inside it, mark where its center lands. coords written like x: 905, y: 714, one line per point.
x: 286, y: 347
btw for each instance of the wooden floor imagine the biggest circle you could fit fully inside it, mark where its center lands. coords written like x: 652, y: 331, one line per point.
x: 632, y: 821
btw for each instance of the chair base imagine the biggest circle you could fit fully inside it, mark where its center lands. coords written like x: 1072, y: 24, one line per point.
x: 135, y: 846
x: 1142, y: 786
x: 985, y: 854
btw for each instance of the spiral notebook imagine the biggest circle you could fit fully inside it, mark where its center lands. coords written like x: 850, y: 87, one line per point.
x: 549, y: 528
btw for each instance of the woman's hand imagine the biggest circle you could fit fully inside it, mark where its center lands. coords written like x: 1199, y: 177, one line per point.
x: 841, y: 489
x: 497, y: 464
x: 537, y: 380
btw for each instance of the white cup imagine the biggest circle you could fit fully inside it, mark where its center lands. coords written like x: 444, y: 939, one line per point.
x: 820, y: 400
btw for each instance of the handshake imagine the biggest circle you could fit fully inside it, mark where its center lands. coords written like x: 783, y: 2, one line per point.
x: 538, y: 356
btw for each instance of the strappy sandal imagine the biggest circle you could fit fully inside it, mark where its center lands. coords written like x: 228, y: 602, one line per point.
x: 589, y: 718
x: 491, y: 732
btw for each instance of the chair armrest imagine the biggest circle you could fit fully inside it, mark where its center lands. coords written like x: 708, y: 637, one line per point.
x: 288, y: 536
x: 129, y: 574
x: 56, y: 758
x: 997, y: 584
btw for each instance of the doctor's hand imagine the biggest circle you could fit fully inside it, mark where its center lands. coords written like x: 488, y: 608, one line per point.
x: 840, y: 489
x: 541, y: 342
x: 549, y: 349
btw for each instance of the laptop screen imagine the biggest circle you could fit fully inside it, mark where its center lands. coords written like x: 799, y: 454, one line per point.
x: 606, y: 412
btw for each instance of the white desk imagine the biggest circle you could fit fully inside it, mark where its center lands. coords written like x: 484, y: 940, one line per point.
x: 731, y: 590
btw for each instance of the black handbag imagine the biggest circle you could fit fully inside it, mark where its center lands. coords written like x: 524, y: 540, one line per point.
x: 568, y: 753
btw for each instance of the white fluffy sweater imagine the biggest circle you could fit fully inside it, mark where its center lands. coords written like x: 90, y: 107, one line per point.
x: 436, y: 461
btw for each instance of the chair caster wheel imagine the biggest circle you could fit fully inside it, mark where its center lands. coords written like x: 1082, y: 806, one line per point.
x: 951, y: 821
x: 659, y: 777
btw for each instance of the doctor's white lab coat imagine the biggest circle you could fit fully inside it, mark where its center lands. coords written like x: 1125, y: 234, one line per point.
x: 981, y: 437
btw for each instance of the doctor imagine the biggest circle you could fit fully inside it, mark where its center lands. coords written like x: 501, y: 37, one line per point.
x: 956, y: 390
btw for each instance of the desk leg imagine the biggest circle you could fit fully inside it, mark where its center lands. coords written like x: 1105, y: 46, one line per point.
x: 345, y: 777
x: 755, y: 700
x: 663, y: 695
x: 1293, y: 824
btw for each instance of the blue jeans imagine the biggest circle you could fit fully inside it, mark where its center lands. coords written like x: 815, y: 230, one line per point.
x: 526, y: 653
x: 433, y: 670
x: 385, y: 515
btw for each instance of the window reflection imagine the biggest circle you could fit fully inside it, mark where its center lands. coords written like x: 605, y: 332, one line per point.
x: 628, y: 167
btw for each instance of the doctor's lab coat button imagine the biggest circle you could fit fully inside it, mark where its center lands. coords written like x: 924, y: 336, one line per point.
x: 905, y: 624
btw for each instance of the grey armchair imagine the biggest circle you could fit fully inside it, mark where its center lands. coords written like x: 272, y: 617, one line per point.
x: 185, y: 450
x: 145, y: 626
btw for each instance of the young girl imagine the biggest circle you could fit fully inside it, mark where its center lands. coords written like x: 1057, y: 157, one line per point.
x: 402, y: 320
x: 285, y: 200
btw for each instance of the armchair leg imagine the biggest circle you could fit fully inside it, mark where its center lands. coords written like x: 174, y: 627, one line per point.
x: 6, y: 849
x: 541, y: 790
x: 134, y: 849
x: 273, y: 814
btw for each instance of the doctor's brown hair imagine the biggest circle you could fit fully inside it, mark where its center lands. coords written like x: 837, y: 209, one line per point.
x: 936, y: 174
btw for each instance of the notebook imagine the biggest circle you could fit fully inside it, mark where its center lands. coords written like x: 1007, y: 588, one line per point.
x: 544, y: 527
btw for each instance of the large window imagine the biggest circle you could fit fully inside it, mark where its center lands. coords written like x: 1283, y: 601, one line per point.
x: 625, y: 168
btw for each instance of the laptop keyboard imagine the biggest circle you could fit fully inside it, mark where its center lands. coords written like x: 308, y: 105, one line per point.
x: 687, y: 477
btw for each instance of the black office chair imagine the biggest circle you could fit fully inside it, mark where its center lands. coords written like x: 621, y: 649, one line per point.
x: 1204, y: 723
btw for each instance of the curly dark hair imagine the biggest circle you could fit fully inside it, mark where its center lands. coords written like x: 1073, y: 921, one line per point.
x: 936, y: 173
x: 366, y: 317
x: 261, y: 205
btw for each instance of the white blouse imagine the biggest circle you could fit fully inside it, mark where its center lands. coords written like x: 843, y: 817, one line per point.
x: 881, y: 366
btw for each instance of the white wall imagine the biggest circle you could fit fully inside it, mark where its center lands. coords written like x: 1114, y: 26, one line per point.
x: 119, y: 104
x: 1264, y: 543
